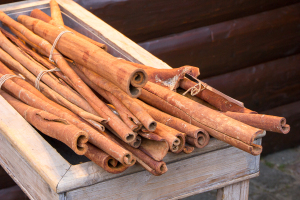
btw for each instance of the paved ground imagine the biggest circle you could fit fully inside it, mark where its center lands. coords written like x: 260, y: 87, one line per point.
x: 279, y: 178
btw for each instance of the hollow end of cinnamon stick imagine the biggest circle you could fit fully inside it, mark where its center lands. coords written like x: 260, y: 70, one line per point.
x: 284, y: 128
x: 130, y: 137
x: 138, y: 78
x: 137, y: 142
x: 129, y: 159
x: 162, y: 168
x: 79, y: 145
x: 151, y: 126
x: 256, y: 149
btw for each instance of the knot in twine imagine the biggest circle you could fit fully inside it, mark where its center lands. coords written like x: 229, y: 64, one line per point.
x: 55, y: 42
x: 39, y: 76
x: 200, y: 86
x: 5, y: 77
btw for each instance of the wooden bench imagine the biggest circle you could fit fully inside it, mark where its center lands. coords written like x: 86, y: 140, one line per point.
x: 45, y: 172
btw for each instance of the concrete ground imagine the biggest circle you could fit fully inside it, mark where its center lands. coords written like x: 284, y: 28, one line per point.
x: 279, y: 178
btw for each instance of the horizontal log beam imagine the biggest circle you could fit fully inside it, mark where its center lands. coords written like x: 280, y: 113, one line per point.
x: 233, y: 45
x: 273, y: 142
x: 144, y: 20
x: 264, y: 86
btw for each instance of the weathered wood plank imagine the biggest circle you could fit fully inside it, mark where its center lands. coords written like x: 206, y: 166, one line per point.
x: 183, y: 178
x: 25, y: 175
x: 232, y: 45
x: 237, y: 191
x: 29, y: 147
x: 276, y: 142
x: 264, y: 86
x: 89, y: 173
x: 144, y: 20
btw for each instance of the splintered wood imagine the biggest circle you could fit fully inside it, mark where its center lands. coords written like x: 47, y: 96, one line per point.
x: 87, y: 98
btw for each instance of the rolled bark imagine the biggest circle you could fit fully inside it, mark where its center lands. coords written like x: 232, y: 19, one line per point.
x: 125, y: 76
x: 223, y: 104
x: 200, y: 136
x: 128, y: 101
x: 51, y: 125
x: 137, y: 142
x: 55, y: 13
x: 175, y: 139
x: 128, y: 118
x: 34, y: 55
x: 38, y: 14
x: 117, y: 124
x: 262, y: 121
x: 155, y: 149
x: 92, y: 117
x: 95, y: 137
x: 188, y: 149
x: 155, y: 167
x: 104, y: 160
x: 216, y: 124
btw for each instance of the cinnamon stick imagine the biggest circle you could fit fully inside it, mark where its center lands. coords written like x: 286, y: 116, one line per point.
x: 51, y: 125
x: 155, y: 149
x: 198, y: 137
x: 104, y: 160
x: 95, y: 137
x: 262, y: 121
x: 56, y: 13
x: 216, y: 124
x: 38, y: 14
x: 119, y: 127
x: 125, y: 76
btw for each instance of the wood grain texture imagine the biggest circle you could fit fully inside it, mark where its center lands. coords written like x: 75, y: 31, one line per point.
x: 276, y: 142
x: 115, y: 41
x: 144, y: 20
x: 264, y: 86
x: 237, y: 191
x: 183, y: 178
x: 89, y: 173
x: 30, y: 147
x: 232, y: 45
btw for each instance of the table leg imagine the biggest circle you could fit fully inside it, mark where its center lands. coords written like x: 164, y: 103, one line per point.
x: 237, y: 191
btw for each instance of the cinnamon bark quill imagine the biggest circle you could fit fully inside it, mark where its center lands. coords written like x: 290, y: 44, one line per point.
x: 265, y: 122
x: 55, y: 13
x: 218, y: 125
x: 95, y: 137
x: 38, y: 14
x: 125, y: 76
x: 120, y: 128
x: 51, y: 125
x: 195, y: 136
x: 156, y: 149
x: 104, y: 160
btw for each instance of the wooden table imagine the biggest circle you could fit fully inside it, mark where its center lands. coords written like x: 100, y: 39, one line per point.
x: 44, y: 172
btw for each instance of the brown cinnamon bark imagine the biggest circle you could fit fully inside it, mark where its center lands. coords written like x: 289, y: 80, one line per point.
x: 95, y: 137
x: 55, y: 13
x: 117, y: 124
x: 128, y: 101
x: 262, y: 121
x: 125, y: 76
x: 154, y: 167
x: 155, y: 149
x: 104, y: 160
x: 51, y: 125
x: 214, y: 99
x: 128, y: 118
x: 188, y: 149
x: 137, y: 142
x: 216, y: 124
x: 38, y: 14
x: 199, y: 135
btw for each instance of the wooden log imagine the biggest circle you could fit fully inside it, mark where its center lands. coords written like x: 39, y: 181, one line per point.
x: 233, y: 45
x: 160, y: 18
x: 273, y: 142
x: 264, y: 86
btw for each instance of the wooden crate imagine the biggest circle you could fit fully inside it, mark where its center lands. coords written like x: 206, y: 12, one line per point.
x: 44, y: 172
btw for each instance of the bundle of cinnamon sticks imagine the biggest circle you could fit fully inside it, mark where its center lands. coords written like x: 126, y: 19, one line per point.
x: 68, y: 87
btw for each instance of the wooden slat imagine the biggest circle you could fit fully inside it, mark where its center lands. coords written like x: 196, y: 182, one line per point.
x: 28, y: 147
x: 183, y: 178
x: 232, y: 45
x: 264, y: 86
x: 144, y: 20
x: 89, y: 173
x: 237, y: 191
x: 276, y: 142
